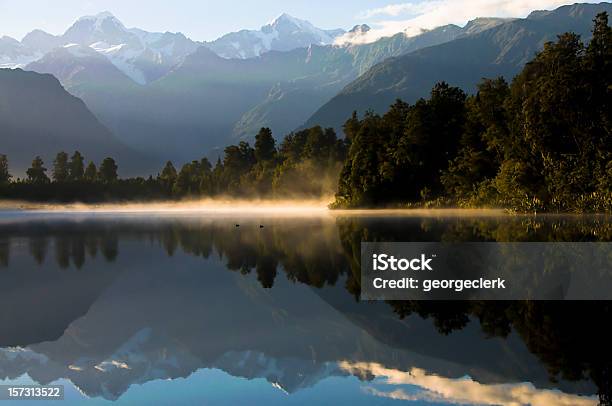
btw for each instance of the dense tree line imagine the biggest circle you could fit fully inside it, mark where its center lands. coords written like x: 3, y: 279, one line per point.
x: 542, y: 142
x: 70, y: 180
x: 306, y: 164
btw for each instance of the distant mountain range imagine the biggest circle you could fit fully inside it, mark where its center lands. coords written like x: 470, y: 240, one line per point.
x: 501, y: 50
x: 207, y: 101
x: 283, y: 34
x: 170, y: 97
x: 146, y: 56
x: 142, y: 56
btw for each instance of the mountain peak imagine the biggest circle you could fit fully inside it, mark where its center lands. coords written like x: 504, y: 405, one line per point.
x: 101, y: 21
x: 41, y: 41
x: 100, y: 27
x: 482, y: 24
x: 6, y: 38
x: 360, y: 28
x: 284, y: 33
x: 98, y: 17
x: 285, y: 20
x: 285, y: 17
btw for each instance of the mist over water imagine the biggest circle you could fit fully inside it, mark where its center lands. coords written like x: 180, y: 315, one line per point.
x: 204, y: 206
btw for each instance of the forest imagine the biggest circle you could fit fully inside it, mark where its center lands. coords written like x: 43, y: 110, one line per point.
x: 539, y: 143
x: 305, y: 165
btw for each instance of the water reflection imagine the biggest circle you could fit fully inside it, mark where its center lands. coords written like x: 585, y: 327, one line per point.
x: 432, y: 388
x: 109, y: 302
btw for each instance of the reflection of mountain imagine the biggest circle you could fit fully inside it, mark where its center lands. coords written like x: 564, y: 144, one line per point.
x: 39, y: 306
x: 172, y: 307
x: 289, y: 374
x: 158, y: 324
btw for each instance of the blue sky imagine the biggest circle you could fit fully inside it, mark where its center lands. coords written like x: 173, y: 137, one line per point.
x: 208, y: 19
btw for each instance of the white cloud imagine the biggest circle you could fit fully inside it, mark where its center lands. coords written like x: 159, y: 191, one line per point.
x: 395, y: 10
x: 412, y: 17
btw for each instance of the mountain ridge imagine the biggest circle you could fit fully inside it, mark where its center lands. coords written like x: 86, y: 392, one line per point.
x: 143, y: 56
x: 284, y: 33
x: 207, y: 101
x: 498, y: 51
x: 203, y: 102
x: 39, y: 117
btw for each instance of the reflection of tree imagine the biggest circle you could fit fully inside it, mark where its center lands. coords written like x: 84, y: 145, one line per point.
x: 62, y: 252
x: 110, y: 247
x: 266, y: 271
x: 4, y: 251
x: 68, y: 248
x: 570, y: 338
x: 78, y: 252
x: 308, y: 253
x: 38, y: 248
x: 91, y: 245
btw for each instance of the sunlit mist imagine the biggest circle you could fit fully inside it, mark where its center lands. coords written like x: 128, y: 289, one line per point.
x: 283, y: 208
x: 204, y: 206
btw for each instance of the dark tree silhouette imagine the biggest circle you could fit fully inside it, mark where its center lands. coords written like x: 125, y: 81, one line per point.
x: 5, y: 176
x: 265, y: 145
x: 37, y: 172
x: 76, y: 167
x: 108, y: 170
x: 60, y: 168
x: 91, y: 173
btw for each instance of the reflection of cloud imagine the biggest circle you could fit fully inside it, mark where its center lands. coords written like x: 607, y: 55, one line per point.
x: 411, y: 17
x: 461, y: 391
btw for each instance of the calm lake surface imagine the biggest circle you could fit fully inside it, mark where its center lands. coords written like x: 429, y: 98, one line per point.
x: 189, y: 309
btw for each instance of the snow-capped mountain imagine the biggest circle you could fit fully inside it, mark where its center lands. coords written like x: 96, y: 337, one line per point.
x: 74, y: 64
x: 41, y: 41
x: 285, y: 33
x: 13, y: 54
x: 142, y: 56
x: 100, y: 27
x: 146, y: 56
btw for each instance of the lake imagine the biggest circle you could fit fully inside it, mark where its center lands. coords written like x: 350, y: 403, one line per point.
x: 226, y: 307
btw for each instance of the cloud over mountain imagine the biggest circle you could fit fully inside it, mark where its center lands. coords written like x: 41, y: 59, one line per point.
x: 412, y: 17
